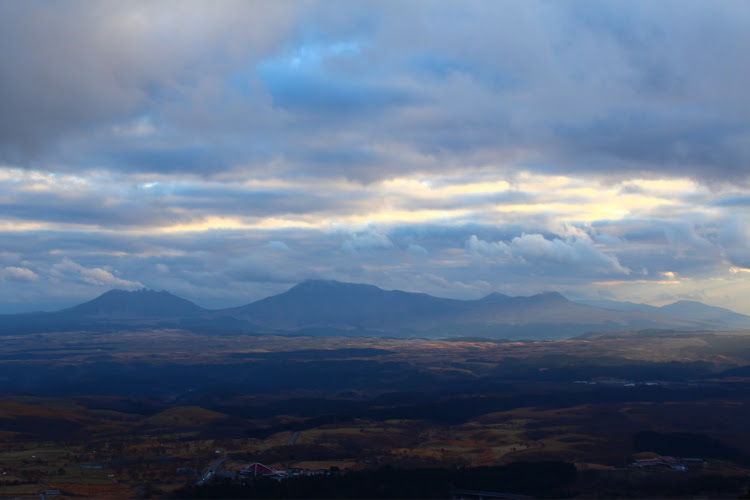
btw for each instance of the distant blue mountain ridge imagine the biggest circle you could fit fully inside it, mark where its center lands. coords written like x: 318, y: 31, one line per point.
x: 333, y: 308
x: 683, y: 308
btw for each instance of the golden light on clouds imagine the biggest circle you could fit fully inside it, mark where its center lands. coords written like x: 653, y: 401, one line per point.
x: 570, y: 199
x: 15, y: 226
x: 636, y: 282
x: 415, y: 199
x: 236, y: 224
x: 438, y: 198
x: 388, y: 217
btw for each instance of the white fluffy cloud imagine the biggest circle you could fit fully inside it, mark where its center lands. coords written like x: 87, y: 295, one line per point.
x: 13, y: 273
x: 534, y: 249
x: 576, y: 251
x: 488, y: 248
x: 371, y: 238
x: 67, y: 269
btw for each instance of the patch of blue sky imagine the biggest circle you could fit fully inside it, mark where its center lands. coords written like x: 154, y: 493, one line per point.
x: 330, y: 76
x: 314, y: 54
x: 308, y: 57
x: 321, y: 91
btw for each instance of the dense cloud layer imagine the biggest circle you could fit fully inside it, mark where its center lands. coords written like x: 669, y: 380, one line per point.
x: 225, y: 151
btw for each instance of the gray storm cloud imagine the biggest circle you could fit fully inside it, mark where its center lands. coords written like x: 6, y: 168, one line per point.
x: 236, y: 148
x: 183, y: 87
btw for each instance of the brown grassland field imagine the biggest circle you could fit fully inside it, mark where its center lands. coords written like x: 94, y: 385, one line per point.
x: 116, y: 415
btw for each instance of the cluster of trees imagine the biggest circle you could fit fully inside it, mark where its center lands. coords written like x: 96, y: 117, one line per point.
x: 686, y: 444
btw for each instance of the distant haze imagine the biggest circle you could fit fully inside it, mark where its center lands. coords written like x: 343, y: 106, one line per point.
x: 226, y: 151
x: 331, y: 308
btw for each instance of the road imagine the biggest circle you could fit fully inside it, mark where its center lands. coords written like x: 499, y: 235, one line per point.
x: 206, y: 477
x: 293, y: 438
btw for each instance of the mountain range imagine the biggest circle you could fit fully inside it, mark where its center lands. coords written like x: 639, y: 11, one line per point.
x: 322, y: 307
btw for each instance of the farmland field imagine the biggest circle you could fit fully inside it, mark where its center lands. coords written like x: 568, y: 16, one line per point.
x: 146, y: 413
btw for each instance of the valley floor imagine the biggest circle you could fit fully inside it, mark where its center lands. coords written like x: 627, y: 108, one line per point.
x: 149, y: 413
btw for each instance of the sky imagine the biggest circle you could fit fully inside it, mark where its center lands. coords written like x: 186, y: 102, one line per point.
x: 225, y: 151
